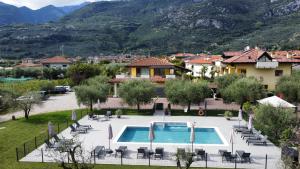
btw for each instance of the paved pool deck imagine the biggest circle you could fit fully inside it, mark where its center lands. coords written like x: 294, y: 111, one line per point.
x: 99, y: 136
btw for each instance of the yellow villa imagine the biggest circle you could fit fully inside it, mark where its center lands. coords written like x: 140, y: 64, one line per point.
x: 154, y: 69
x: 264, y: 66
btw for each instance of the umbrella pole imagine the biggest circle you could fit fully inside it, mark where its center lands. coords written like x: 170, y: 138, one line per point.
x: 151, y: 145
x: 232, y: 146
x: 192, y: 146
x: 108, y: 143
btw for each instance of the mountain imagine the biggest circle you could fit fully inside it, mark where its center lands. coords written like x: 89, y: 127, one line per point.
x: 10, y: 14
x: 160, y: 27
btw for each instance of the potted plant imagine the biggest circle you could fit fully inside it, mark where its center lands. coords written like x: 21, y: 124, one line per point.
x: 228, y: 115
x: 119, y: 112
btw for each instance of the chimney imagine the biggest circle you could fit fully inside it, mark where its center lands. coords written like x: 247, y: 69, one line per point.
x: 247, y: 48
x: 288, y: 55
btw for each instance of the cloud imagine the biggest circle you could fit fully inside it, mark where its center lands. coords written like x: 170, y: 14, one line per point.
x: 36, y: 4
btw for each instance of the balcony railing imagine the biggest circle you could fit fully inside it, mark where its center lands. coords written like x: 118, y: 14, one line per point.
x: 266, y: 65
x: 125, y: 76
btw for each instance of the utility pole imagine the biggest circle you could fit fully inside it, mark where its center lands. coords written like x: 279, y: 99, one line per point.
x: 62, y: 50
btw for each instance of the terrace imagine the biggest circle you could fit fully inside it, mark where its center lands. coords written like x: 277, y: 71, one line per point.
x: 98, y: 136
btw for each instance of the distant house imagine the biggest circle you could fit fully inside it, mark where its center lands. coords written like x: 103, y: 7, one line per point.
x: 266, y: 67
x: 28, y: 63
x: 154, y: 69
x: 211, y: 65
x: 181, y: 56
x: 58, y: 62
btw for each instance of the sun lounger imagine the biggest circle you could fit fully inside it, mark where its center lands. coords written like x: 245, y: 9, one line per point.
x: 78, y: 130
x: 50, y: 145
x: 82, y: 126
x: 93, y: 117
x: 121, y: 150
x: 200, y: 154
x: 244, y: 157
x: 159, y: 153
x: 239, y: 126
x: 262, y: 141
x: 63, y: 141
x: 141, y: 152
x: 99, y: 152
x: 249, y: 135
x: 221, y: 152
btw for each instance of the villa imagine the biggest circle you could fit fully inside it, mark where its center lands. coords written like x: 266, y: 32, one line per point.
x: 58, y: 62
x: 266, y: 67
x: 154, y: 69
x: 211, y: 63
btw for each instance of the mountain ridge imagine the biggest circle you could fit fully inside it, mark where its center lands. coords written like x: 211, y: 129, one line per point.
x: 10, y: 14
x: 160, y: 27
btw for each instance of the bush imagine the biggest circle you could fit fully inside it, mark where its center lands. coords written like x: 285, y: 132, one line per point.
x: 228, y: 114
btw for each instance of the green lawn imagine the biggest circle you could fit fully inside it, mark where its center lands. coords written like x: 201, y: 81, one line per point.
x: 15, y: 133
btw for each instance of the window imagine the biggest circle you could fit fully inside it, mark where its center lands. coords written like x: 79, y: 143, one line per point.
x: 278, y: 72
x: 64, y: 65
x: 266, y: 87
x: 243, y: 71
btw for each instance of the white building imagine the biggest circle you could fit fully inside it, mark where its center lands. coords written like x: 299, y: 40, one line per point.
x: 56, y: 62
x: 207, y: 64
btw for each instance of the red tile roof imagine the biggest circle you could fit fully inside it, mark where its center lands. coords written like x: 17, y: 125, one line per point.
x: 205, y: 60
x: 184, y: 55
x: 25, y: 65
x: 56, y: 59
x: 232, y: 53
x: 151, y: 61
x: 251, y: 56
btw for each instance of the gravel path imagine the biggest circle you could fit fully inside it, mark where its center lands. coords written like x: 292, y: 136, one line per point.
x: 54, y: 103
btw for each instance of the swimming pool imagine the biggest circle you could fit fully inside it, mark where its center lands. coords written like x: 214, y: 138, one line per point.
x: 178, y: 133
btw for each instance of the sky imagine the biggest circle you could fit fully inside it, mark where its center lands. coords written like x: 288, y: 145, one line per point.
x: 36, y: 4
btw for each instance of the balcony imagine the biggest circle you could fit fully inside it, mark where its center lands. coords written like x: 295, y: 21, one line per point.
x: 267, y: 65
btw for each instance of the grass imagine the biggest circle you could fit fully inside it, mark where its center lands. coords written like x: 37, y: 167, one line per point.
x: 14, y: 133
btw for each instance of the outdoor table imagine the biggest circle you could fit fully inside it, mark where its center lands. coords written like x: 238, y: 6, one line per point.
x: 109, y: 151
x: 149, y: 153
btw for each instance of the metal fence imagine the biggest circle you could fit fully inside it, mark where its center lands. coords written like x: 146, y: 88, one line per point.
x: 33, y: 143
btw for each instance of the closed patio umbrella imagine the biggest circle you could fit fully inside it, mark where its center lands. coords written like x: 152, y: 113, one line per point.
x: 192, y: 136
x: 240, y: 117
x: 151, y: 135
x: 51, y: 130
x: 110, y: 135
x: 232, y: 136
x: 250, y: 122
x: 74, y: 116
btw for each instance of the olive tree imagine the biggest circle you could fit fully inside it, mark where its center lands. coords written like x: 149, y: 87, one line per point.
x: 137, y: 92
x: 274, y: 121
x: 226, y: 80
x: 243, y: 90
x: 94, y: 90
x: 289, y: 86
x: 27, y: 101
x: 186, y: 92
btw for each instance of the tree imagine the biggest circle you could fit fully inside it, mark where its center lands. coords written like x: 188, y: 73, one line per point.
x: 81, y: 71
x: 289, y: 87
x: 268, y: 119
x: 136, y: 92
x: 27, y: 101
x: 6, y: 99
x: 185, y: 92
x: 95, y: 89
x: 243, y: 90
x: 226, y: 80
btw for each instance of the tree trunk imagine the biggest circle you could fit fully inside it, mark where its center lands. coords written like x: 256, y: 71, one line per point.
x: 91, y: 106
x: 26, y: 115
x: 138, y: 106
x: 189, y: 106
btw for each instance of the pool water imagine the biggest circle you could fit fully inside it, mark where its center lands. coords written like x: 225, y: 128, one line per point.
x: 170, y: 133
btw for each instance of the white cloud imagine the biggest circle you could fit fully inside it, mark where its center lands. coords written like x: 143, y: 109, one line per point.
x: 36, y: 4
